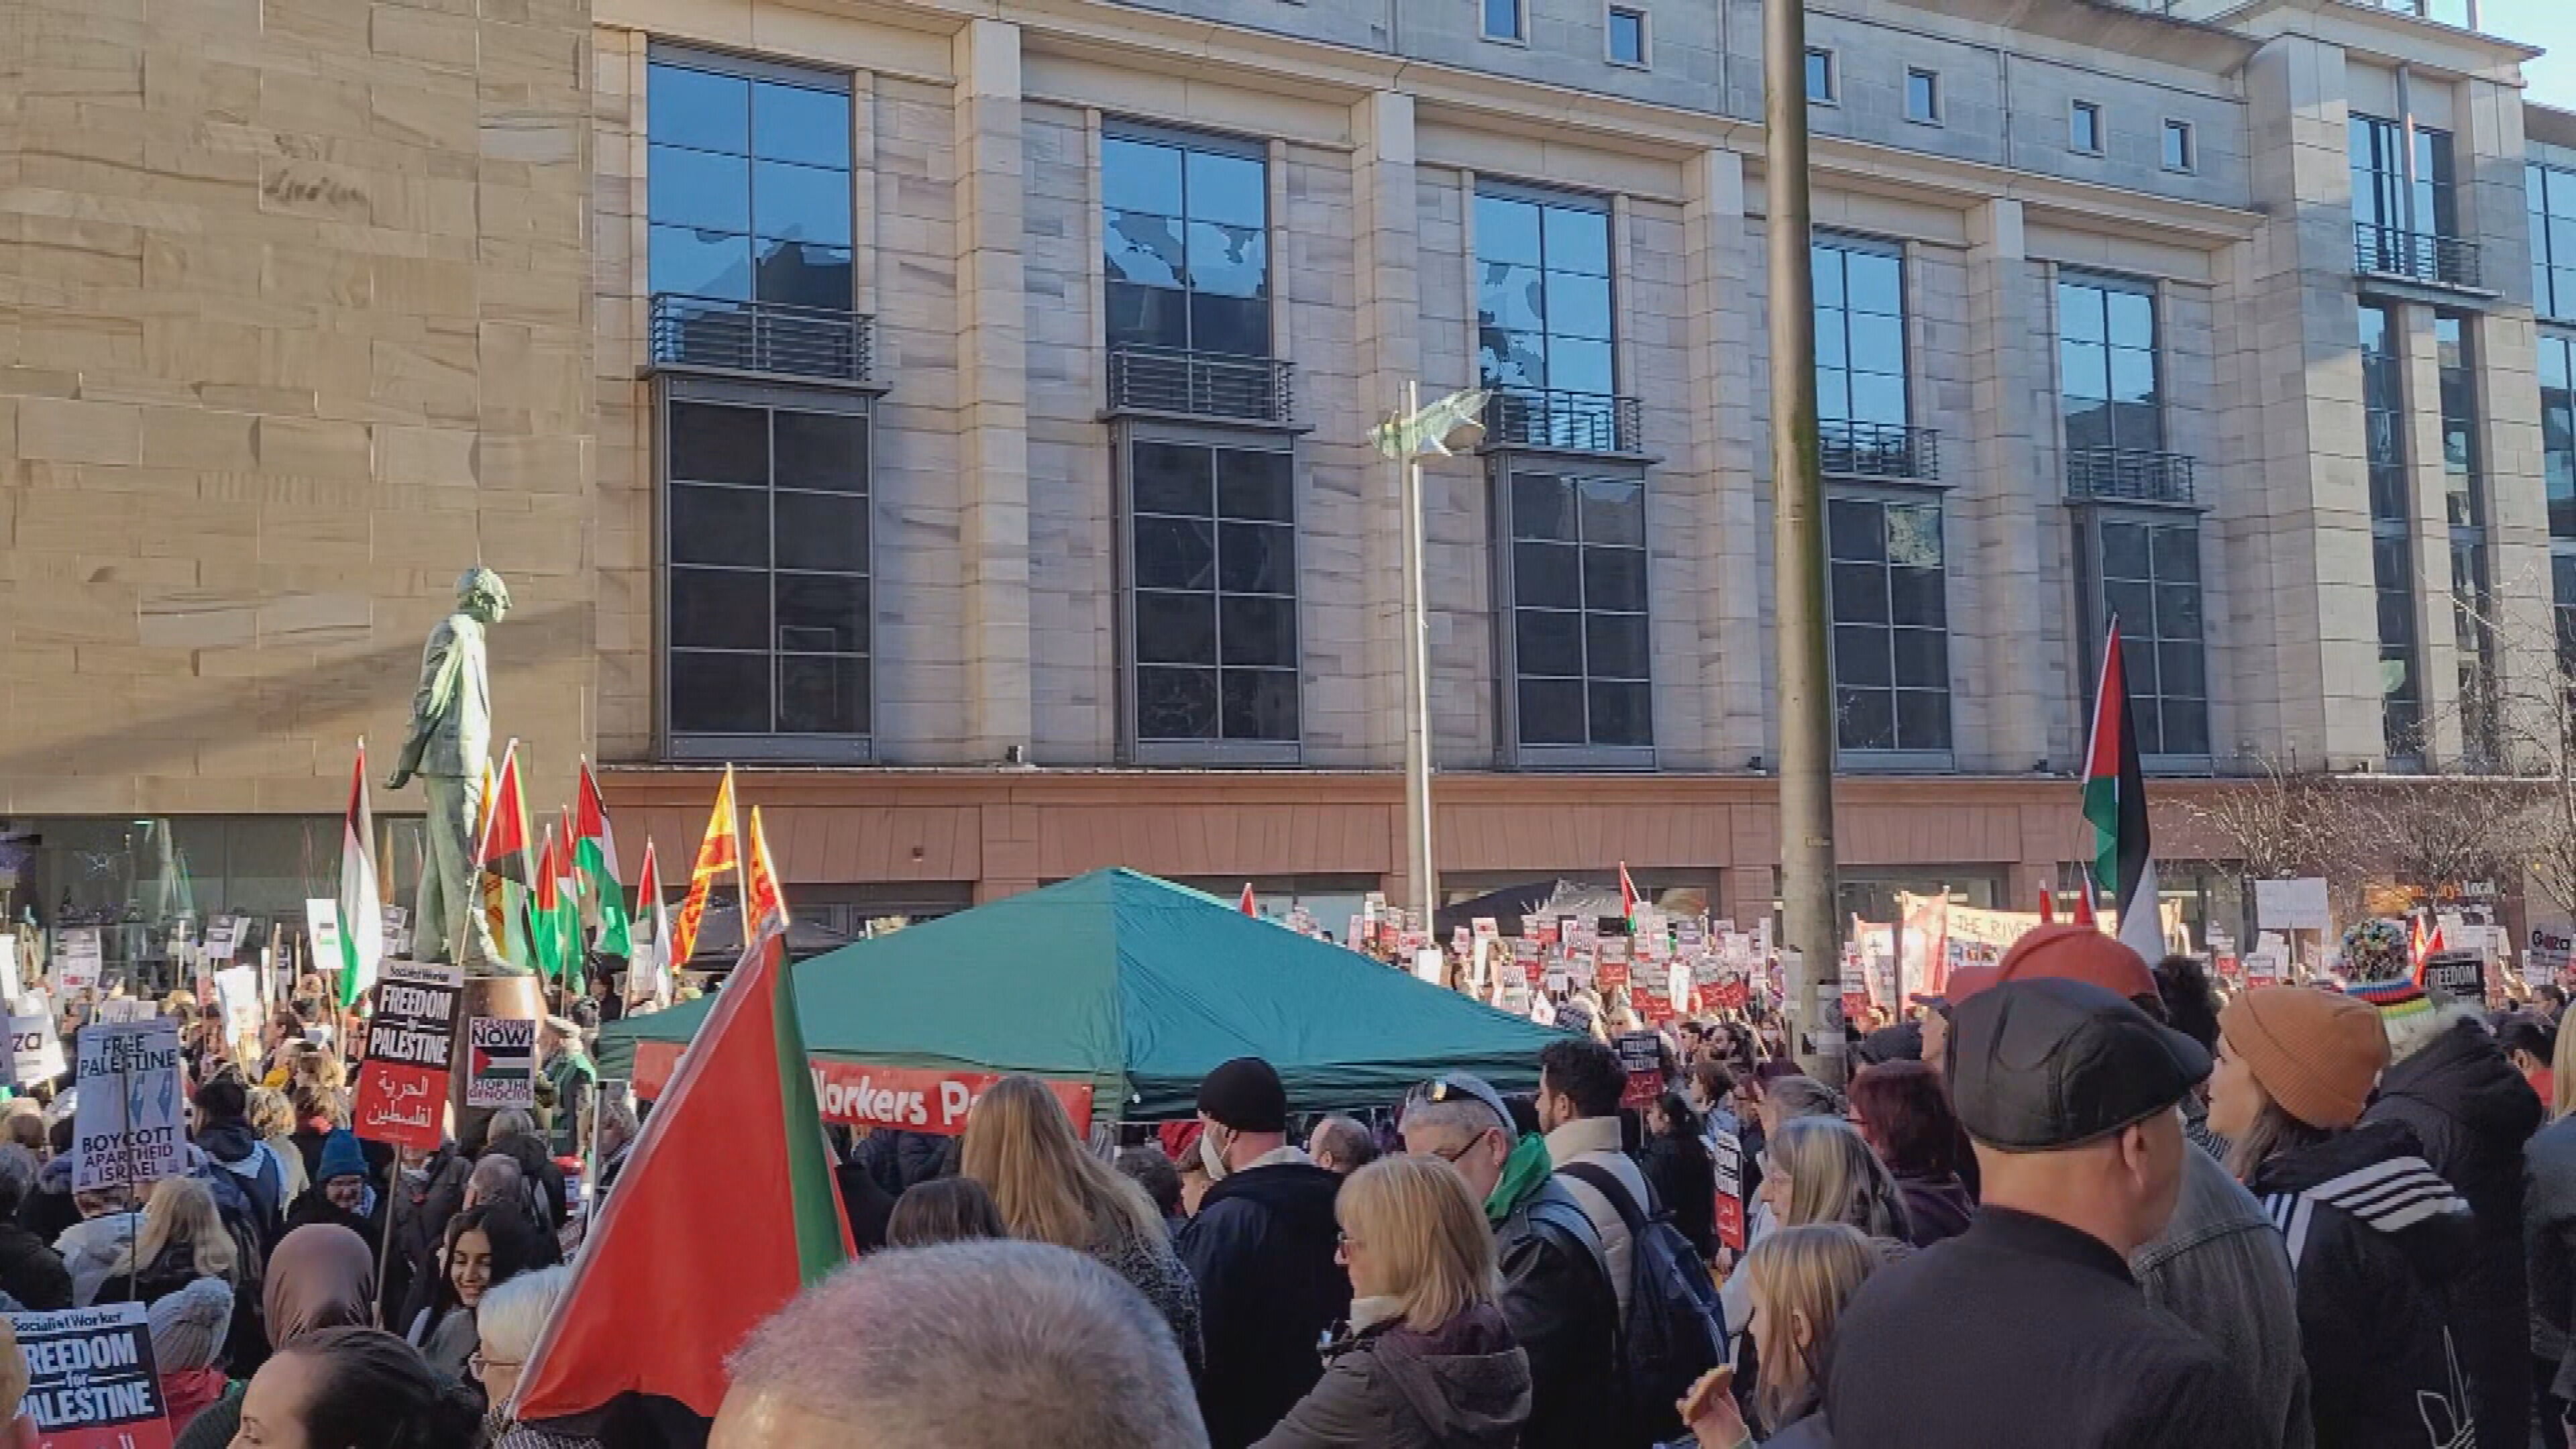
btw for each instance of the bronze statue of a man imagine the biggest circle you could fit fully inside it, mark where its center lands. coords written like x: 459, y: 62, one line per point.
x: 450, y: 748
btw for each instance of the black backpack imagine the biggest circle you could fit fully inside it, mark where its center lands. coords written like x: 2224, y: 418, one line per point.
x: 1675, y: 1329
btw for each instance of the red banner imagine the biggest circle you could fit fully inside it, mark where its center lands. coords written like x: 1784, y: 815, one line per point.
x: 915, y: 1099
x: 402, y: 1105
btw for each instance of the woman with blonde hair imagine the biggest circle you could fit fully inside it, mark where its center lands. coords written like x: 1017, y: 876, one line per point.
x: 1801, y: 1278
x: 1821, y: 1170
x: 1052, y: 1189
x: 181, y: 1240
x: 1427, y: 1360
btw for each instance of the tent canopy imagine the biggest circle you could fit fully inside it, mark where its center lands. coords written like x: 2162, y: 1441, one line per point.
x: 1138, y: 987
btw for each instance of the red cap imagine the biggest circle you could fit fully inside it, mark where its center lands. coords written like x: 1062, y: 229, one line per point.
x: 2079, y: 953
x: 1964, y: 982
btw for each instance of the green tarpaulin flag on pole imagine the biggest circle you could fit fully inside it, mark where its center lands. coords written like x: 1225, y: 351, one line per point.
x: 1428, y: 431
x: 594, y: 855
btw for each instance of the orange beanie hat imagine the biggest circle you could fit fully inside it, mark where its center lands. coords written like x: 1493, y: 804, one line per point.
x: 2317, y: 1053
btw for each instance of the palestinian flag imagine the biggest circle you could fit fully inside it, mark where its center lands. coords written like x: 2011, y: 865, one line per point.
x: 764, y: 910
x: 506, y: 861
x: 643, y: 1319
x: 554, y: 927
x: 652, y: 937
x: 594, y: 854
x: 1629, y: 900
x: 718, y: 853
x: 362, y: 919
x: 2115, y: 801
x: 1247, y: 904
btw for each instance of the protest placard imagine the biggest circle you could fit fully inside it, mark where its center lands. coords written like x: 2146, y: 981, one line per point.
x: 501, y: 1063
x: 223, y: 937
x: 35, y: 1049
x: 1726, y: 1154
x: 128, y: 1127
x: 2456, y: 976
x: 118, y: 1009
x: 81, y: 961
x: 237, y: 989
x: 410, y: 1056
x: 91, y: 1382
x: 2552, y: 950
x: 322, y: 929
x: 397, y: 921
x: 1641, y: 1054
x: 2293, y: 905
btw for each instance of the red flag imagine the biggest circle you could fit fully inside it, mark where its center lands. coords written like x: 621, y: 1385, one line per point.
x: 503, y: 850
x: 1248, y: 905
x: 644, y: 1318
x: 764, y: 908
x: 718, y: 853
x: 2047, y: 906
x: 2084, y: 904
x: 2422, y: 941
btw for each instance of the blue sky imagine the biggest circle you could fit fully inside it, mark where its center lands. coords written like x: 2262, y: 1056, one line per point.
x: 2549, y: 23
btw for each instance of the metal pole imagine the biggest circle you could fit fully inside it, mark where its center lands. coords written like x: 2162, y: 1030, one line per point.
x: 1417, y: 689
x: 1798, y: 555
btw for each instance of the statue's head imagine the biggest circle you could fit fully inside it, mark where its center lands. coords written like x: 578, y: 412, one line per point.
x: 481, y: 593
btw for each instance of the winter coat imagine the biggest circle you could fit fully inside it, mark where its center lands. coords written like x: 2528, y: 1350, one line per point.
x: 1262, y: 1249
x: 171, y: 1269
x: 1685, y: 1181
x: 2025, y: 1333
x: 2373, y: 1233
x: 421, y: 1207
x: 315, y: 1207
x: 2219, y: 1266
x: 2549, y: 1235
x: 1935, y: 1207
x: 1563, y: 1314
x: 537, y: 1167
x: 1159, y: 1274
x: 91, y: 1247
x: 235, y: 1150
x: 1462, y: 1386
x: 2472, y: 1113
x: 49, y: 1209
x: 32, y: 1273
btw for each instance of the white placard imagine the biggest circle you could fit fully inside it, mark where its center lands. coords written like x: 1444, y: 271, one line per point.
x: 237, y: 987
x: 223, y: 937
x: 322, y: 924
x: 35, y: 1051
x: 2293, y: 905
x: 128, y: 1128
x: 81, y: 964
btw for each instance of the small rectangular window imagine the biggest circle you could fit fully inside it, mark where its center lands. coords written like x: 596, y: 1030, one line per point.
x: 2084, y: 128
x: 1502, y: 19
x: 1627, y: 36
x: 2181, y: 153
x: 1820, y: 75
x: 1923, y: 96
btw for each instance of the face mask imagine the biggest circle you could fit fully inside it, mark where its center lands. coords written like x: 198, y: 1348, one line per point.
x: 1211, y: 1156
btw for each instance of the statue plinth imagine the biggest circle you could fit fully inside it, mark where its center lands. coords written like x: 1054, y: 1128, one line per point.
x: 519, y: 998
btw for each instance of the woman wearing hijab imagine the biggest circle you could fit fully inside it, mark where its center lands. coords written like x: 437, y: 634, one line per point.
x: 320, y: 1277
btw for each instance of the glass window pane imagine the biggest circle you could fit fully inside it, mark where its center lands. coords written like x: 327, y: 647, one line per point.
x: 1542, y: 506
x: 805, y: 274
x: 1260, y: 704
x: 823, y: 613
x: 719, y: 609
x: 1614, y: 510
x: 1833, y: 342
x: 794, y: 123
x: 1548, y: 642
x: 1140, y: 176
x: 1233, y: 326
x: 2178, y: 611
x: 2133, y: 376
x: 1615, y: 579
x: 1257, y: 558
x: 1173, y: 478
x: 1579, y: 366
x: 1622, y: 714
x: 1833, y: 395
x: 1141, y: 247
x: 696, y: 108
x: 2132, y: 319
x: 2186, y: 726
x: 1915, y: 597
x: 1229, y: 261
x: 1865, y: 719
x: 1878, y: 341
x: 1175, y: 628
x: 1577, y: 305
x: 1922, y: 658
x: 1507, y: 231
x: 1511, y: 359
x: 2140, y: 664
x: 719, y: 694
x: 2124, y: 551
x: 1859, y: 593
x: 697, y: 189
x: 1860, y: 656
x: 2133, y: 605
x: 1827, y: 261
x: 720, y: 526
x: 1878, y: 398
x: 1616, y: 646
x: 2179, y: 669
x: 827, y: 452
x: 823, y: 531
x: 1922, y: 96
x: 2079, y: 312
x: 1551, y: 711
x: 1254, y: 485
x: 1511, y: 295
x: 800, y: 203
x: 1628, y: 37
x: 1256, y: 630
x: 1852, y: 530
x: 822, y: 695
x: 1503, y: 19
x: 1577, y: 240
x: 2084, y: 369
x: 1176, y: 704
x: 1147, y: 316
x: 1175, y: 553
x: 1820, y: 76
x: 1233, y: 190
x: 1922, y: 720
x: 711, y: 444
x: 694, y: 263
x: 1876, y: 283
x: 1547, y: 576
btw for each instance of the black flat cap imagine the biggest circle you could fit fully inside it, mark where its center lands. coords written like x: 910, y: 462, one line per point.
x: 2049, y: 1063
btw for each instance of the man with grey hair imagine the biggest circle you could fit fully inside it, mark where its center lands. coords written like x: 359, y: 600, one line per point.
x: 30, y: 1272
x: 1341, y: 1145
x: 976, y: 1345
x: 448, y: 746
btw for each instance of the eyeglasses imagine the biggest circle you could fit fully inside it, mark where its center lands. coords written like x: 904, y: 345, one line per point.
x: 1346, y: 1242
x: 477, y: 1362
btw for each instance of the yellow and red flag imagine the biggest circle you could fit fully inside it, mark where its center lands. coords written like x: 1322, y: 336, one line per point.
x: 721, y: 851
x: 764, y: 909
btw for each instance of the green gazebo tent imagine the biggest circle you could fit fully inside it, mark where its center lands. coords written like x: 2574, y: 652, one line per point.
x: 1138, y: 987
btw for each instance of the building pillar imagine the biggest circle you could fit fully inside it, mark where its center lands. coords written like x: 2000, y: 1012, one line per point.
x: 2011, y: 506
x: 992, y: 389
x: 1721, y: 328
x: 2428, y: 485
x: 1388, y: 233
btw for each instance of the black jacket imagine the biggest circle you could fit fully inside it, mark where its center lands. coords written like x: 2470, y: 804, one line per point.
x: 422, y: 1207
x: 2373, y: 1232
x: 2549, y: 1230
x: 31, y: 1272
x: 316, y: 1207
x: 2472, y: 1113
x: 1564, y: 1314
x: 1936, y: 1208
x: 1262, y: 1249
x: 1685, y: 1183
x: 1387, y: 1387
x: 2024, y: 1333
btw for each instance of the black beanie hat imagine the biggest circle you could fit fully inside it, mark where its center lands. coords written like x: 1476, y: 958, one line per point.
x: 1245, y: 1095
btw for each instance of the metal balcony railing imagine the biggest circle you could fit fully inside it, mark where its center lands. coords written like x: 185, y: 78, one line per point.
x: 725, y: 335
x: 1879, y: 450
x: 1576, y: 422
x: 2444, y: 261
x: 2128, y: 475
x: 1201, y: 384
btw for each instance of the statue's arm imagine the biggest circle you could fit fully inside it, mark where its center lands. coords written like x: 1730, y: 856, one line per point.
x: 429, y: 704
